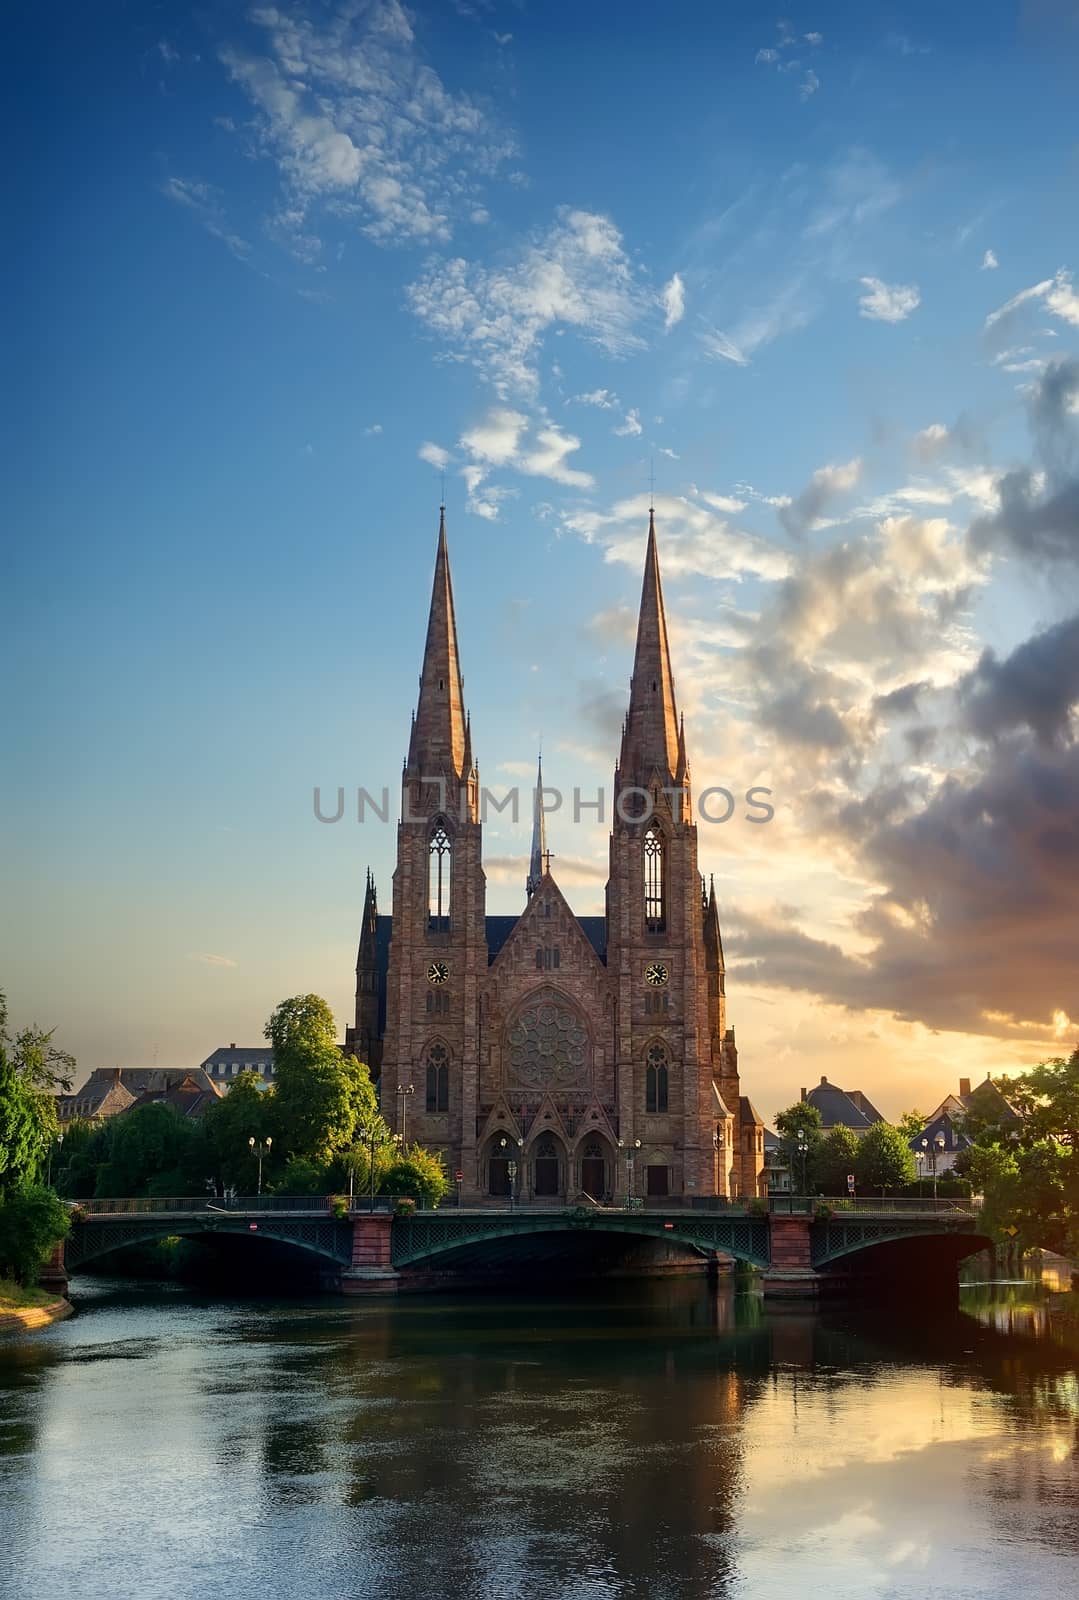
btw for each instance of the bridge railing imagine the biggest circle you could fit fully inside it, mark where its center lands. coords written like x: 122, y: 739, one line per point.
x: 888, y: 1205
x: 197, y: 1205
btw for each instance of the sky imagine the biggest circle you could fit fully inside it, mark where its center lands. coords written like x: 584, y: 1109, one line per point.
x: 284, y: 277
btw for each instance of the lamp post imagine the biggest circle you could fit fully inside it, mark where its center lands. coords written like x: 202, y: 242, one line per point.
x: 259, y: 1148
x: 938, y: 1151
x: 369, y: 1140
x: 403, y: 1092
x: 631, y: 1155
x: 514, y: 1165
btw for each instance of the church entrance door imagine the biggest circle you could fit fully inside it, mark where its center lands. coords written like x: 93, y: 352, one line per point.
x: 499, y: 1181
x: 593, y: 1171
x: 545, y: 1175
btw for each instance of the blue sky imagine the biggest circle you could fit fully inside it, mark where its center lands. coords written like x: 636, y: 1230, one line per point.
x: 279, y: 269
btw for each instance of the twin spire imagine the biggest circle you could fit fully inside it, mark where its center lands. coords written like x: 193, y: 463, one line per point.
x: 441, y: 738
x: 653, y: 741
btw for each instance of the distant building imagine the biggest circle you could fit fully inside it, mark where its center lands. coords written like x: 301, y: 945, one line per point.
x: 776, y: 1170
x: 944, y: 1133
x: 229, y: 1060
x: 842, y: 1108
x: 111, y: 1090
x: 191, y: 1096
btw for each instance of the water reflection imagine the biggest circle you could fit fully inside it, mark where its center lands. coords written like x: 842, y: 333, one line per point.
x: 652, y: 1440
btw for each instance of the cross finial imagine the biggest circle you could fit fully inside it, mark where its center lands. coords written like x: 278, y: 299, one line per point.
x: 547, y: 860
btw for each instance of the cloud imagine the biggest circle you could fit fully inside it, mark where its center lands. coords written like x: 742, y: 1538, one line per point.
x: 826, y: 485
x: 673, y: 298
x: 695, y: 541
x: 373, y: 431
x: 353, y: 118
x: 887, y: 302
x: 547, y: 458
x: 630, y: 426
x: 1055, y: 293
x: 989, y: 262
x: 496, y: 438
x: 575, y: 275
x: 533, y: 446
x: 931, y: 441
x: 808, y: 86
x: 1036, y: 687
x: 1035, y: 511
x: 212, y: 960
x: 604, y: 399
x: 722, y: 348
x: 434, y: 455
x: 205, y: 201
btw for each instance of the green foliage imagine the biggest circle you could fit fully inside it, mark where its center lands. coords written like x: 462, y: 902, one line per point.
x: 911, y: 1124
x: 800, y: 1117
x: 226, y: 1130
x: 300, y: 1025
x: 301, y: 1176
x: 32, y: 1070
x: 147, y: 1151
x: 417, y: 1172
x: 836, y: 1156
x: 32, y: 1221
x: 884, y: 1160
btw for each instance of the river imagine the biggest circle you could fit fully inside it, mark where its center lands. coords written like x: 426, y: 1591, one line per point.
x: 651, y: 1440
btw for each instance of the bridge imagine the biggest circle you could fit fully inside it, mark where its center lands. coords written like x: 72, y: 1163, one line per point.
x: 800, y: 1246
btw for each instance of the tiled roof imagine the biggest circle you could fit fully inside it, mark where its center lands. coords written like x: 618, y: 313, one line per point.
x: 836, y: 1107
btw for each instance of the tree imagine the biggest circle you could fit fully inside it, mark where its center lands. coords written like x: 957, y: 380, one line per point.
x: 321, y: 1097
x: 801, y: 1117
x: 147, y: 1149
x: 836, y: 1157
x: 32, y: 1069
x: 226, y: 1130
x: 911, y: 1124
x: 417, y: 1172
x: 884, y: 1160
x: 32, y: 1221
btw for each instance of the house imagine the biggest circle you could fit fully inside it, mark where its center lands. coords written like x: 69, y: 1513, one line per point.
x: 229, y: 1060
x: 944, y: 1135
x: 191, y: 1095
x: 842, y: 1108
x: 776, y: 1171
x: 110, y: 1090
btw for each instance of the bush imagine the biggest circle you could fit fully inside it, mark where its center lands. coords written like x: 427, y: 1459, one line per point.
x: 32, y: 1222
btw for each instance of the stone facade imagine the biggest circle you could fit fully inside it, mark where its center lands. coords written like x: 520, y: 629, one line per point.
x: 554, y: 1063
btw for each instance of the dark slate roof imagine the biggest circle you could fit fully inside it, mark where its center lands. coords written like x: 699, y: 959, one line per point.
x: 837, y: 1108
x: 498, y: 931
x: 241, y: 1052
x: 771, y: 1141
x: 953, y: 1136
x: 863, y: 1102
x: 749, y: 1110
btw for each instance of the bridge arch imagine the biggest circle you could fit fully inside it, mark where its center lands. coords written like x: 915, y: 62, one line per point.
x: 94, y: 1239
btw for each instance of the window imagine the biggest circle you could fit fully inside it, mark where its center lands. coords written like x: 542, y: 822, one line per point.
x: 440, y: 852
x: 547, y: 958
x: 656, y: 1079
x: 438, y: 1078
x: 655, y: 919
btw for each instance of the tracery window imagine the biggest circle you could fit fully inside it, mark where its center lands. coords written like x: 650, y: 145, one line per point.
x: 655, y: 915
x: 439, y: 869
x: 656, y: 1079
x: 438, y: 1078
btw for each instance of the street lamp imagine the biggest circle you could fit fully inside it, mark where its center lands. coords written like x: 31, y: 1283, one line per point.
x: 259, y: 1148
x: 370, y: 1138
x: 513, y: 1166
x: 938, y: 1151
x: 403, y: 1092
x: 631, y: 1154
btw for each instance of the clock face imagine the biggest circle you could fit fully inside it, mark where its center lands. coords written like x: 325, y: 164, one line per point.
x: 656, y: 974
x: 438, y: 972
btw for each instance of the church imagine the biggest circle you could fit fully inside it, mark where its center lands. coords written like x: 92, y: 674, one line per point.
x: 550, y: 1057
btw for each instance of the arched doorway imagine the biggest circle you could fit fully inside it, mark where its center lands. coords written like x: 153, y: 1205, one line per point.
x: 546, y: 1168
x: 498, y: 1167
x: 594, y: 1170
x: 656, y: 1176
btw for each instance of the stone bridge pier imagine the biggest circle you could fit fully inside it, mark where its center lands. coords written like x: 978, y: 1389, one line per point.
x: 372, y: 1263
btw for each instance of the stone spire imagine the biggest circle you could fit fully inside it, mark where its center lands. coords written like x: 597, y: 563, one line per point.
x: 650, y: 739
x: 437, y: 743
x: 538, y: 863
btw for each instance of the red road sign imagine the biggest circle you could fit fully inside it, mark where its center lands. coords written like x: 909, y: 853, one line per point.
x: 458, y: 1177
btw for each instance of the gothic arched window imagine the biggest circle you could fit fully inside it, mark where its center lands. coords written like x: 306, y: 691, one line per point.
x: 655, y: 914
x: 439, y: 861
x: 438, y: 1078
x: 656, y: 1079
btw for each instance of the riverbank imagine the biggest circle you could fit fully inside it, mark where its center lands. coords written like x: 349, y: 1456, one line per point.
x: 25, y: 1310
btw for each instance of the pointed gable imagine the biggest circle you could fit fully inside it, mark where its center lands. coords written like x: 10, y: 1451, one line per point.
x: 547, y: 937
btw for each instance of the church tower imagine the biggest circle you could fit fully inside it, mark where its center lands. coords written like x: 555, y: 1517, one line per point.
x: 678, y: 1088
x: 438, y: 948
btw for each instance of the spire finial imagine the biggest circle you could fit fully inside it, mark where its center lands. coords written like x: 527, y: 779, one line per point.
x: 540, y: 859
